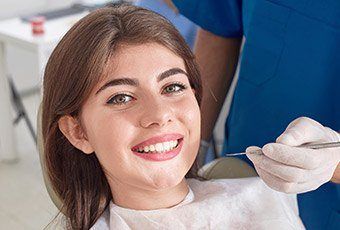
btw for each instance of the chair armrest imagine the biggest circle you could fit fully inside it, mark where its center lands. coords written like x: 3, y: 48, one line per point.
x: 226, y: 167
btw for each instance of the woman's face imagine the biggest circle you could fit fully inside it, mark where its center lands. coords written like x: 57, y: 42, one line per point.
x: 143, y: 120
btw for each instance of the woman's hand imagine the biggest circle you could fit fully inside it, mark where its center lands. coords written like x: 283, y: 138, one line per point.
x: 291, y: 169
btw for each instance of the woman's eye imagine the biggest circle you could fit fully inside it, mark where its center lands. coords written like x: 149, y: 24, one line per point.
x: 120, y: 99
x: 174, y: 88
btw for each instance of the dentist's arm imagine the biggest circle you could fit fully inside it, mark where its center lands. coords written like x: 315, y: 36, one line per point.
x: 217, y: 58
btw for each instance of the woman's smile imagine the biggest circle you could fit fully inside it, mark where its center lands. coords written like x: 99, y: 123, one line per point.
x: 159, y: 148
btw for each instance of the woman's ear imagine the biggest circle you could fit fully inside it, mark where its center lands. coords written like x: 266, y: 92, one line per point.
x: 73, y: 131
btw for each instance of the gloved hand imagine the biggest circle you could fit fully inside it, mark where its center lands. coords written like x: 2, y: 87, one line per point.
x: 290, y: 169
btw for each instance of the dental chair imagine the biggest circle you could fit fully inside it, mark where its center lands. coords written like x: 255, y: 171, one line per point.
x: 224, y: 167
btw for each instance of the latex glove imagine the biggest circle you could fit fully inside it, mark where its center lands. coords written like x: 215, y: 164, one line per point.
x: 290, y: 169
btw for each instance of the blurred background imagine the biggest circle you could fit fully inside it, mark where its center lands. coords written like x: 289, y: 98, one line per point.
x: 24, y: 49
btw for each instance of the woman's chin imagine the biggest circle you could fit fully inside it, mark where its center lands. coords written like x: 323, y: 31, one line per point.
x: 166, y: 181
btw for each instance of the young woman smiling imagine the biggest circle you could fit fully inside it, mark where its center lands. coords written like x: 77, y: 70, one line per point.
x: 121, y: 128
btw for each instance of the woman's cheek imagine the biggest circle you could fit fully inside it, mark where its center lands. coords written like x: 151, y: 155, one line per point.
x: 108, y: 133
x: 189, y: 115
x: 113, y: 143
x: 189, y: 111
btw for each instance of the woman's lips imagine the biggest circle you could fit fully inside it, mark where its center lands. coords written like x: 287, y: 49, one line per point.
x: 161, y: 156
x: 159, y: 148
x: 158, y: 139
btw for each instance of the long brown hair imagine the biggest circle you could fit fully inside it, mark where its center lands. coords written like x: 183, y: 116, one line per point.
x: 74, y: 68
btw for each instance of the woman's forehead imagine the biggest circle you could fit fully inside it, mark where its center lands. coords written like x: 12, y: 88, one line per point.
x: 140, y: 60
x: 147, y: 54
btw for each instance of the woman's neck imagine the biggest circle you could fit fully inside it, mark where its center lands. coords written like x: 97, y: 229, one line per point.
x: 127, y: 196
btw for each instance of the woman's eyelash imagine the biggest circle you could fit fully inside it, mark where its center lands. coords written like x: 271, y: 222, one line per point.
x: 175, y: 87
x: 120, y: 99
x: 124, y: 98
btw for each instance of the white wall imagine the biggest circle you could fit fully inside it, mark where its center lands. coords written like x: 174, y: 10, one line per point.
x: 14, y: 8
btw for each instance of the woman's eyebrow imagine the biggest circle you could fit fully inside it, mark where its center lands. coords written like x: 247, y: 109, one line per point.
x: 135, y: 82
x: 169, y: 73
x: 119, y: 81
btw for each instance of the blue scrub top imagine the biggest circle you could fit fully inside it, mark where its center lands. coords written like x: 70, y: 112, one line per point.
x: 290, y: 67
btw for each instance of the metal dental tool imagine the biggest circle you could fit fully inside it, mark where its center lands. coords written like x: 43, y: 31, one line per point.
x: 307, y: 146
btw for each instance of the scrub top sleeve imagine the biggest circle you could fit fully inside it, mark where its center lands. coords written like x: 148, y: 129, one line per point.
x: 221, y: 17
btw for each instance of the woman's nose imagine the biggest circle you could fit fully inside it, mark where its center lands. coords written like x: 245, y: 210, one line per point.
x: 156, y: 113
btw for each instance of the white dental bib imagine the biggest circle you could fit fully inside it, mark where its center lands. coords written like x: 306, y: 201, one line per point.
x: 216, y: 204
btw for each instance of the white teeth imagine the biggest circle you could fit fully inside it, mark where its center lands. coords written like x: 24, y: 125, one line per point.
x: 159, y: 147
x: 152, y: 148
x: 166, y: 146
x: 146, y: 149
x: 174, y: 143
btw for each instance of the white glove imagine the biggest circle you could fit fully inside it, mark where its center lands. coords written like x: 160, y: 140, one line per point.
x: 296, y: 170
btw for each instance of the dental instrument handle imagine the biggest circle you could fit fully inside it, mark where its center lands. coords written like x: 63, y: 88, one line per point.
x: 307, y: 146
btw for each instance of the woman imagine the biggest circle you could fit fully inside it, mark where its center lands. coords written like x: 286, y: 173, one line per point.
x: 121, y: 130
